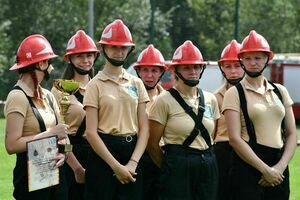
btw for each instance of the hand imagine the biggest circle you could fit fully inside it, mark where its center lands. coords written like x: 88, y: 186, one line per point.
x: 61, y: 130
x: 131, y: 165
x: 80, y: 175
x: 60, y: 160
x: 123, y: 174
x: 272, y: 177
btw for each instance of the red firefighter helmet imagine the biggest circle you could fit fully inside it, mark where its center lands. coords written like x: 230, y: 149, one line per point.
x: 230, y: 52
x: 150, y: 57
x: 33, y: 49
x: 255, y: 42
x: 187, y: 53
x: 80, y: 43
x: 116, y: 33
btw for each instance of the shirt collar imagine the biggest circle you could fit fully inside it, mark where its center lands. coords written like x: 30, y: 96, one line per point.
x: 248, y: 86
x: 159, y: 88
x: 223, y: 89
x: 28, y: 91
x: 102, y: 76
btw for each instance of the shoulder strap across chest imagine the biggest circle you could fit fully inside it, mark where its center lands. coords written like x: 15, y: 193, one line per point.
x: 196, y: 118
x: 243, y: 103
x: 35, y: 110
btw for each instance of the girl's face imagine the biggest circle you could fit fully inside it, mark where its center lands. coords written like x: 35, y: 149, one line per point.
x: 150, y: 74
x: 254, y: 61
x: 190, y: 72
x: 84, y: 61
x: 116, y: 52
x: 232, y: 69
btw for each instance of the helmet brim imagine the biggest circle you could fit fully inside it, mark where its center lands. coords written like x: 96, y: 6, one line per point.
x: 25, y: 64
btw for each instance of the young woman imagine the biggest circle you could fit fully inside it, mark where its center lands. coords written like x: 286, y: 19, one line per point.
x: 117, y: 126
x: 81, y: 54
x: 32, y: 113
x: 150, y: 67
x: 261, y: 127
x: 233, y: 73
x: 185, y: 117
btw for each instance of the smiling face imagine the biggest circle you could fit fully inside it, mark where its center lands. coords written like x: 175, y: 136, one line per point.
x: 254, y: 61
x: 150, y: 75
x: 232, y: 69
x: 84, y: 61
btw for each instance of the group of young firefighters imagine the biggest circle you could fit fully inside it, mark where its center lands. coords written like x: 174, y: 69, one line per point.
x: 134, y: 140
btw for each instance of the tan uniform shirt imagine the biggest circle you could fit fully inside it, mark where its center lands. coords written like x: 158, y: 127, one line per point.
x: 159, y: 89
x: 221, y: 134
x: 265, y: 111
x: 75, y: 112
x: 17, y: 102
x: 178, y: 125
x: 116, y: 102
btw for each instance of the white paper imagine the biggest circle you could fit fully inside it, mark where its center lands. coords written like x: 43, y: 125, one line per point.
x: 41, y: 172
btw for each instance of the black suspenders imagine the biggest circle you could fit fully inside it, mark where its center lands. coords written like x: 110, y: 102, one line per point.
x: 197, y: 118
x: 35, y: 110
x: 249, y: 124
x: 82, y: 126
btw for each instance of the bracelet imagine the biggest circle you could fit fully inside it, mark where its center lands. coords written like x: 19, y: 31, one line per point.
x: 134, y: 161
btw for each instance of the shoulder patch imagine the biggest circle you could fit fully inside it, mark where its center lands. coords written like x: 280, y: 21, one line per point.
x: 208, y: 112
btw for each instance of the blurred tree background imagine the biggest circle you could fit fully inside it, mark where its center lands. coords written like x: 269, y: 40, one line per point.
x: 209, y: 24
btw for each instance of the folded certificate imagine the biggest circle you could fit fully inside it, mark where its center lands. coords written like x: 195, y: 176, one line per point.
x: 41, y: 172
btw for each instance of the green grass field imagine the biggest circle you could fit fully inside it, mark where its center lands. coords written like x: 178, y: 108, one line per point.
x: 7, y: 163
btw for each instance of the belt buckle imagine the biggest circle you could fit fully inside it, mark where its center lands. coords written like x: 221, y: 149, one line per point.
x: 128, y: 138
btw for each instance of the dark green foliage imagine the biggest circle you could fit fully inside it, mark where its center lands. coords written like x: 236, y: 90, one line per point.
x: 209, y: 24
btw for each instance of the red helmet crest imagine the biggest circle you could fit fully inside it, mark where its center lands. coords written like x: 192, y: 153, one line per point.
x: 187, y: 53
x: 255, y: 42
x: 80, y: 43
x: 33, y: 49
x: 230, y: 52
x: 150, y: 57
x: 116, y: 33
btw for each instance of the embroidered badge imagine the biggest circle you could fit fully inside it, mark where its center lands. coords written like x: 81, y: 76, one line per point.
x: 132, y: 91
x: 208, y: 112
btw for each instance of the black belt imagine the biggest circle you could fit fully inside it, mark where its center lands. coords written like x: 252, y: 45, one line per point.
x: 125, y: 138
x: 223, y: 143
x: 178, y: 148
x: 78, y: 140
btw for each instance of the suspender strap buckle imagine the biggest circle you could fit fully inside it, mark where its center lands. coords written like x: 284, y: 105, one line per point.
x: 201, y: 108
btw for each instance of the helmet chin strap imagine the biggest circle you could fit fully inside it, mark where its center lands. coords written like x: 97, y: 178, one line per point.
x: 146, y: 86
x: 254, y: 74
x: 79, y: 70
x: 190, y: 83
x: 114, y: 62
x: 82, y: 71
x: 231, y: 81
x: 234, y: 81
x: 46, y: 73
